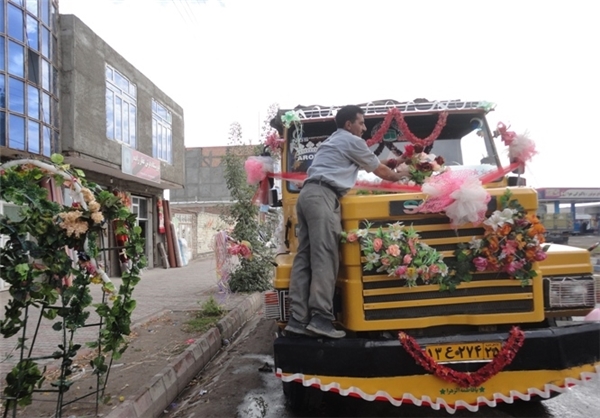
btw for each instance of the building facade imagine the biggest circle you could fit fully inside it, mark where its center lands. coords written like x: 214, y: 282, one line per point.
x: 64, y: 90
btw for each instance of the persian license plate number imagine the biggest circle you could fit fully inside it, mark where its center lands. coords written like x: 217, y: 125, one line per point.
x: 463, y: 352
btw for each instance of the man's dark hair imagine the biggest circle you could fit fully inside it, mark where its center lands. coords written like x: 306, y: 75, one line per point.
x: 347, y: 113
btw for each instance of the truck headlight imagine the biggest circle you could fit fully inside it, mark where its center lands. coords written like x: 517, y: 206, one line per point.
x: 571, y: 292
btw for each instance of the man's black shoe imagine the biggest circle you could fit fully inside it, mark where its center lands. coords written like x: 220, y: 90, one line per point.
x: 324, y: 327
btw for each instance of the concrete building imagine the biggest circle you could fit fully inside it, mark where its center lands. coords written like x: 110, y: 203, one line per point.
x: 64, y: 90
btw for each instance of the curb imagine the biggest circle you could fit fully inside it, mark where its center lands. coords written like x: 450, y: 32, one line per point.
x: 156, y: 395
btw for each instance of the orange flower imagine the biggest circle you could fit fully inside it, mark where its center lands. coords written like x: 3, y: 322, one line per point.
x: 536, y: 229
x: 530, y: 253
x: 505, y: 229
x: 493, y: 243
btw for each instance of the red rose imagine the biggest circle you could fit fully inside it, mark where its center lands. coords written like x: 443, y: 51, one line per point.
x: 418, y: 149
x: 425, y: 166
x: 409, y: 151
x: 440, y: 160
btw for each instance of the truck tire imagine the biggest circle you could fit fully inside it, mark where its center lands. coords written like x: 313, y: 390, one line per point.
x: 300, y: 398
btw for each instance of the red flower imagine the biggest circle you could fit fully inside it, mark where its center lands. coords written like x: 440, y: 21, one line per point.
x: 418, y: 148
x: 425, y: 166
x: 409, y: 150
x: 440, y: 160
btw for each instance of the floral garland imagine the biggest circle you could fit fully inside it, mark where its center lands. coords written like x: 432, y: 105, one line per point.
x: 396, y: 114
x: 512, y: 243
x: 398, y: 252
x: 505, y: 357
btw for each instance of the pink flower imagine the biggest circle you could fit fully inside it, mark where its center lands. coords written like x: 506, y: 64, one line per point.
x: 480, y: 263
x: 393, y: 250
x: 513, y: 267
x: 434, y: 269
x: 400, y: 271
x: 352, y: 237
x: 407, y: 259
x: 540, y: 256
x: 510, y: 247
x: 411, y: 245
x: 385, y: 261
x: 377, y: 244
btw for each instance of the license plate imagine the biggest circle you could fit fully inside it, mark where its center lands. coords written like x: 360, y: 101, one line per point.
x: 447, y: 353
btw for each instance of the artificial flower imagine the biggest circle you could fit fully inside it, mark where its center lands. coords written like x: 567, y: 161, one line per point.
x: 397, y: 251
x: 511, y: 243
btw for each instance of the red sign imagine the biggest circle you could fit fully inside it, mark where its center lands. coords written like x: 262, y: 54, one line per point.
x: 139, y: 165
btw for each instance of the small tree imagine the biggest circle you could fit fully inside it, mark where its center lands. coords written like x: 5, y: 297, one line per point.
x: 253, y: 274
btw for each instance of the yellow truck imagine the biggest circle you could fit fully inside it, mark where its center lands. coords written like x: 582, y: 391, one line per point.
x: 488, y: 338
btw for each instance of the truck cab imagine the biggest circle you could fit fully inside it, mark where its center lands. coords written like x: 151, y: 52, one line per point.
x: 488, y: 339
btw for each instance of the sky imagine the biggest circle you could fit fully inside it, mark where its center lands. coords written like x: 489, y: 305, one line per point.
x: 226, y: 61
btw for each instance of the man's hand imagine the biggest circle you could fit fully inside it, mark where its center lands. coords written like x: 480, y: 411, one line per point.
x: 394, y: 162
x: 386, y: 173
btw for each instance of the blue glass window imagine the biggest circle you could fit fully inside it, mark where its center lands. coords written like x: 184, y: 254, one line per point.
x: 54, y: 112
x: 16, y: 95
x: 32, y: 7
x: 33, y: 66
x: 46, y: 108
x: 47, y: 150
x: 1, y: 52
x: 16, y: 59
x: 54, y: 81
x: 161, y: 132
x: 32, y: 33
x: 45, y: 12
x: 46, y: 74
x: 2, y: 19
x: 33, y: 102
x: 33, y: 137
x: 110, y: 114
x: 3, y: 129
x: 16, y: 132
x: 121, y: 107
x: 2, y: 92
x: 15, y: 22
x: 45, y: 42
x: 118, y: 119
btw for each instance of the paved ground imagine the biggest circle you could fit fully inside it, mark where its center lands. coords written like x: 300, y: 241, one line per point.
x: 177, y: 288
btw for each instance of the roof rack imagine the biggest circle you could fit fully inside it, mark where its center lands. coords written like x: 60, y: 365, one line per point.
x: 381, y: 107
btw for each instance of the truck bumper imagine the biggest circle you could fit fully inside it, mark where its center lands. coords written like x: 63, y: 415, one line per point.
x: 550, y: 361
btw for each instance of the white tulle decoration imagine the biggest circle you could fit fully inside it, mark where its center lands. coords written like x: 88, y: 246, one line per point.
x: 459, y: 194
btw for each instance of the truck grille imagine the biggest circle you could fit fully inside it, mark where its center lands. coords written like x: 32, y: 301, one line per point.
x: 488, y: 293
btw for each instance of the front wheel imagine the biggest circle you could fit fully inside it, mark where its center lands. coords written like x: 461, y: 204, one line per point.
x: 301, y: 398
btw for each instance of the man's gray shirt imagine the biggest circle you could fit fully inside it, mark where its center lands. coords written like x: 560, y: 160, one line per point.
x: 339, y: 158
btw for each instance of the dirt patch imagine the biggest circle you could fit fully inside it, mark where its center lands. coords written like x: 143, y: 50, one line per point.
x: 152, y: 346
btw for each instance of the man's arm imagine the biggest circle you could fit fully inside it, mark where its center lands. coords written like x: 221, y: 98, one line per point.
x: 386, y: 173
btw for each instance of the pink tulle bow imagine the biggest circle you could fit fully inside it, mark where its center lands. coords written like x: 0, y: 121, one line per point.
x: 459, y: 194
x: 257, y: 169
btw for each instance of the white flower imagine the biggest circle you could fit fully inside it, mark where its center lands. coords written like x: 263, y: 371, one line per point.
x: 475, y: 243
x: 361, y: 233
x: 372, y: 258
x: 500, y: 218
x: 396, y: 230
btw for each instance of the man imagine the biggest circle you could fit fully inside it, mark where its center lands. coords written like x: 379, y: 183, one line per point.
x: 332, y: 174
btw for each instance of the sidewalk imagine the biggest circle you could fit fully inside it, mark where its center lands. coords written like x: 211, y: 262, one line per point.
x: 159, y: 289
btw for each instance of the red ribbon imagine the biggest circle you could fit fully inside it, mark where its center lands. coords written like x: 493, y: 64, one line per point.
x: 395, y: 187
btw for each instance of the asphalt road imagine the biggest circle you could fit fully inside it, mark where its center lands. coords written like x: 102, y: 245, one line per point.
x: 233, y: 386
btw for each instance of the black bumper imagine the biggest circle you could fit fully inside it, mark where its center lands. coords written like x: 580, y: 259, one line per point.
x: 556, y: 348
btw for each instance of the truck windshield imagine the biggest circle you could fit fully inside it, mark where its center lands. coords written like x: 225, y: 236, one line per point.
x: 464, y: 143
